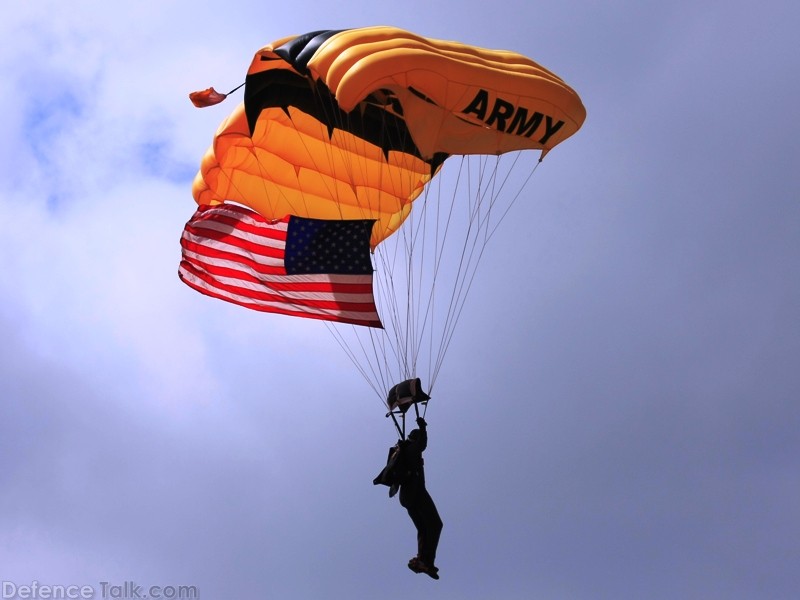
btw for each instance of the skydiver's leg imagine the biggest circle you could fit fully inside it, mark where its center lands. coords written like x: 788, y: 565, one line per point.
x: 411, y: 497
x: 418, y: 517
x: 430, y: 528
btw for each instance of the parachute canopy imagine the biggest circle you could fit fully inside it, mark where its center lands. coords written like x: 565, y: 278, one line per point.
x: 353, y: 124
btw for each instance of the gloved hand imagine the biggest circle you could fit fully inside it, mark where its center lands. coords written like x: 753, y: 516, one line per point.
x: 421, y: 422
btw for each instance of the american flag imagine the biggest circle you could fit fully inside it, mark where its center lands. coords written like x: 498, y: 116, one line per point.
x: 311, y: 268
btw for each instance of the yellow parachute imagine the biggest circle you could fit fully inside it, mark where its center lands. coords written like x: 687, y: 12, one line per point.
x: 353, y: 125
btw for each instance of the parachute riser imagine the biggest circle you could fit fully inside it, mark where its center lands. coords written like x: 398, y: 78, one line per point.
x: 400, y: 399
x: 401, y: 431
x: 400, y: 424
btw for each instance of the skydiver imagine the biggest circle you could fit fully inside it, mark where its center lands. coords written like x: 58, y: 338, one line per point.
x: 414, y: 497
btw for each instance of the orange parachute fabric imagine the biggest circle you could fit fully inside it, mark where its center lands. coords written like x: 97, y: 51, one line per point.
x: 353, y: 124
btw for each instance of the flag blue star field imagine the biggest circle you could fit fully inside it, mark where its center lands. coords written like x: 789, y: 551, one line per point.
x: 318, y: 246
x: 296, y: 266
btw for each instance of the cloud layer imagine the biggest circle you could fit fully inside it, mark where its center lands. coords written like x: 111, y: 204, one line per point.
x: 617, y: 416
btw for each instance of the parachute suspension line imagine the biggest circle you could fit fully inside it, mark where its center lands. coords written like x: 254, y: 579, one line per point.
x: 406, y: 328
x: 467, y: 263
x: 434, y: 364
x: 359, y: 353
x: 352, y: 356
x: 420, y: 317
x: 421, y: 323
x: 417, y: 284
x: 441, y: 232
x: 476, y: 238
x: 397, y: 274
x: 357, y: 350
x: 382, y: 347
x: 374, y: 375
x: 408, y: 325
x: 490, y: 233
x: 456, y: 295
x: 385, y: 282
x: 397, y: 270
x: 516, y: 195
x: 404, y: 325
x: 399, y: 343
x: 409, y: 267
x: 398, y: 259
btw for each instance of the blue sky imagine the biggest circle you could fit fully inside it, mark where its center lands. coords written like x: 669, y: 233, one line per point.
x: 617, y: 416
